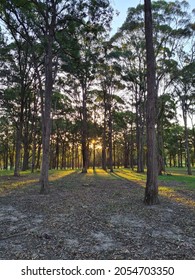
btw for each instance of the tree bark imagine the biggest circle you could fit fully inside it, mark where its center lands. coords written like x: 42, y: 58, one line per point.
x: 46, y: 120
x: 104, y: 135
x: 26, y: 141
x: 126, y: 150
x: 151, y: 191
x: 19, y: 128
x: 139, y: 132
x: 188, y: 163
x: 84, y: 132
x: 50, y: 25
x: 110, y: 136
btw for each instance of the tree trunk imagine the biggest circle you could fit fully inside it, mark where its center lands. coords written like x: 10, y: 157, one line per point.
x: 126, y: 150
x: 188, y: 163
x: 6, y: 152
x: 63, y: 159
x: 151, y: 191
x: 73, y: 155
x: 104, y: 135
x: 161, y: 162
x: 57, y: 152
x: 110, y: 136
x: 33, y: 150
x: 46, y: 120
x: 26, y: 147
x: 139, y: 131
x: 34, y: 128
x: 84, y: 132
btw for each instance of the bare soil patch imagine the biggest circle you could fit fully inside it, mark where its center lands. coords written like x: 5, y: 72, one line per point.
x: 87, y: 216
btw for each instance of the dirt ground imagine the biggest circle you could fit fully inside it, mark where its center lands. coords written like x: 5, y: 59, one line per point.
x: 95, y: 217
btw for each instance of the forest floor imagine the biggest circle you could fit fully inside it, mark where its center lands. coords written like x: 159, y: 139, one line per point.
x: 96, y: 216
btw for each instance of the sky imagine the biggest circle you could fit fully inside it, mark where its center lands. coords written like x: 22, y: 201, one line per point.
x: 123, y: 5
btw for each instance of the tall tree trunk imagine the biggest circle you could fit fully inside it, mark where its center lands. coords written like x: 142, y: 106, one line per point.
x: 33, y: 150
x: 63, y: 159
x: 126, y: 150
x: 114, y: 154
x: 139, y: 135
x: 161, y: 162
x: 110, y: 136
x: 46, y: 120
x: 131, y: 160
x: 193, y: 131
x: 34, y: 128
x: 84, y: 131
x: 188, y: 162
x: 6, y: 153
x: 18, y: 151
x: 151, y: 191
x: 57, y: 151
x: 104, y: 134
x: 73, y: 155
x: 26, y: 146
x: 11, y: 157
x: 19, y: 128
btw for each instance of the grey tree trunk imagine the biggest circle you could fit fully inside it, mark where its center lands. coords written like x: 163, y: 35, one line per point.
x: 188, y: 162
x: 84, y: 132
x: 151, y: 191
x: 18, y: 151
x: 46, y: 121
x: 110, y: 136
x: 19, y: 128
x: 104, y: 135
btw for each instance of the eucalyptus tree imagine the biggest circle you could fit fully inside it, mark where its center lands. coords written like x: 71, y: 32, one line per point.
x: 151, y: 191
x: 184, y: 90
x: 5, y: 143
x: 166, y: 113
x: 174, y: 145
x: 191, y: 116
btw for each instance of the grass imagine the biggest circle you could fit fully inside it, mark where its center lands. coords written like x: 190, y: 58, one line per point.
x: 179, y: 175
x: 176, y: 175
x: 170, y: 186
x: 128, y: 174
x: 26, y: 179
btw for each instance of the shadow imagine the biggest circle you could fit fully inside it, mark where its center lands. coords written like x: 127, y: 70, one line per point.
x: 75, y: 179
x: 183, y: 195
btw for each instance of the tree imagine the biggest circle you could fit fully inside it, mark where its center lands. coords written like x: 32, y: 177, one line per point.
x: 151, y: 191
x: 166, y: 112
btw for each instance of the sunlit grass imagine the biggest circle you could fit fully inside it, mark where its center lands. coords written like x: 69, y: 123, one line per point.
x: 128, y: 174
x: 10, y: 184
x: 26, y: 179
x: 176, y: 175
x: 172, y: 194
x: 171, y: 186
x: 98, y: 173
x: 179, y: 180
x: 59, y: 174
x: 188, y: 181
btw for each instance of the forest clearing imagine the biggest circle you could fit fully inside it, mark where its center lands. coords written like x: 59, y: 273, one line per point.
x: 98, y: 215
x: 97, y: 130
